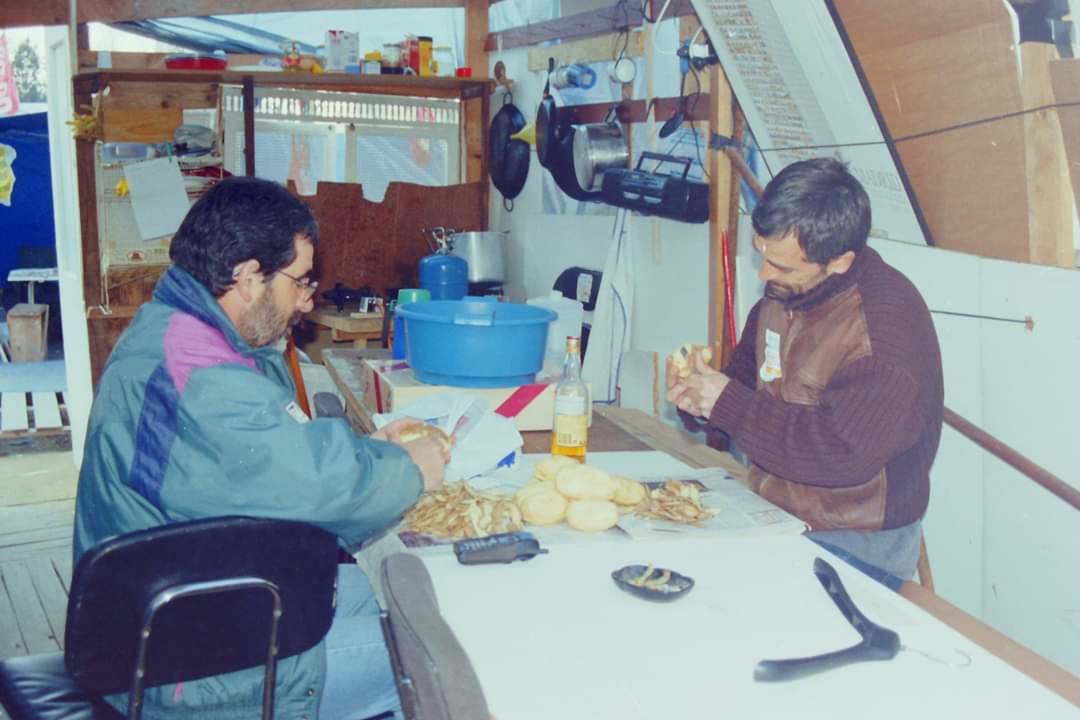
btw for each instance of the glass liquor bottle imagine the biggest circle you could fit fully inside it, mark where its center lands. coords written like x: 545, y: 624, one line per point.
x: 570, y: 428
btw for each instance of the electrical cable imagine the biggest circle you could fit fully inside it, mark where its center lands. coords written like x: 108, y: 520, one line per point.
x: 656, y: 21
x: 693, y: 128
x: 624, y: 35
x: 927, y: 133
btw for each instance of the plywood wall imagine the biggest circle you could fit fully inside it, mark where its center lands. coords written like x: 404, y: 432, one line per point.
x: 994, y: 183
x: 379, y: 244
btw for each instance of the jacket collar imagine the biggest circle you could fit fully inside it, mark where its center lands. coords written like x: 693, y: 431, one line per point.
x: 835, y: 284
x: 178, y: 289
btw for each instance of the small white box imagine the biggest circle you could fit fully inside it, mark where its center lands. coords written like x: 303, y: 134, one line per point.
x: 391, y: 384
x: 342, y: 48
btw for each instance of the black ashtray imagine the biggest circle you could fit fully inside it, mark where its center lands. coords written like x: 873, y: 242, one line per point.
x: 649, y: 583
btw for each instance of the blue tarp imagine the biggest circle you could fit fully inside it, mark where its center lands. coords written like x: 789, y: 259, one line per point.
x: 29, y: 221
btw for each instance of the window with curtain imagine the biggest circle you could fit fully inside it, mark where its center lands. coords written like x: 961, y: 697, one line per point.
x: 309, y: 136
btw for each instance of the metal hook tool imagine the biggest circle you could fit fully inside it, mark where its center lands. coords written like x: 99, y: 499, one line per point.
x: 878, y: 643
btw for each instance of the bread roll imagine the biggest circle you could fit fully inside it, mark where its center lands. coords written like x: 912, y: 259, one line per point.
x: 682, y: 358
x: 423, y: 430
x: 549, y: 467
x: 545, y: 507
x: 531, y: 488
x: 584, y: 482
x: 628, y: 491
x: 592, y: 515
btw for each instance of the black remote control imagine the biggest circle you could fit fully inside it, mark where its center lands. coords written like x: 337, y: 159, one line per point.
x: 501, y: 548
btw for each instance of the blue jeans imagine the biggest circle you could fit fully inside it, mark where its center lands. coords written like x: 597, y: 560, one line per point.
x: 872, y: 571
x: 359, y: 681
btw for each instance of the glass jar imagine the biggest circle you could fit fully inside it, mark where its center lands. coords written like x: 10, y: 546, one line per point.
x: 442, y: 61
x: 391, y: 55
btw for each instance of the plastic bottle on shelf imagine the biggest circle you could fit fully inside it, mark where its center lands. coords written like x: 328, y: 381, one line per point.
x: 570, y: 315
x: 442, y: 60
x: 570, y: 424
x: 425, y: 53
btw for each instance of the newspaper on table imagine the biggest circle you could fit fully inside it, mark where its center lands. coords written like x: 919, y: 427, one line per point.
x: 739, y: 511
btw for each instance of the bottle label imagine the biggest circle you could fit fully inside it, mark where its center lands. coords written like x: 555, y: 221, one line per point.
x: 570, y: 405
x: 571, y: 430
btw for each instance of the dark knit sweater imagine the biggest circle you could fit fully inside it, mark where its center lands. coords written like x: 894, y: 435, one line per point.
x: 882, y: 410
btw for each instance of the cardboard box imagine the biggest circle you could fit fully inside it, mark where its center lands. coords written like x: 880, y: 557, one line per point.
x: 391, y: 384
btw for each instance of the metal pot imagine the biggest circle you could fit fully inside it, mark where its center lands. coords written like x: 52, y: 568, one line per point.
x: 598, y: 147
x: 485, y: 252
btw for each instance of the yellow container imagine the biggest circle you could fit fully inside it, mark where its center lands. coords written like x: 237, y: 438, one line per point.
x: 424, y: 42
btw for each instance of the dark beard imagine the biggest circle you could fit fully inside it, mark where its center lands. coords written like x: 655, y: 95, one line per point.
x: 774, y: 291
x: 263, y: 325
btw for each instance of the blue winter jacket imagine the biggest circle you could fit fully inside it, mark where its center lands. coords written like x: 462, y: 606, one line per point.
x: 188, y: 422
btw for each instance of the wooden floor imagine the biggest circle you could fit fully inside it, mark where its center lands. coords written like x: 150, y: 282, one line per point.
x: 35, y: 571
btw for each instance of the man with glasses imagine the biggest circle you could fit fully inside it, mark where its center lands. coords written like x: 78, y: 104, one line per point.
x: 195, y: 416
x: 835, y: 390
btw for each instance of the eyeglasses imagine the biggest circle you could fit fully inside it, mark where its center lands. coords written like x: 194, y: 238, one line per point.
x: 305, y: 284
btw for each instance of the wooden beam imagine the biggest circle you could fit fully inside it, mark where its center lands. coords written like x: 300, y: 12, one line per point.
x: 593, y: 22
x: 1052, y: 483
x: 411, y: 85
x: 633, y: 111
x: 249, y: 126
x: 88, y: 218
x: 476, y: 32
x: 478, y: 110
x: 720, y: 182
x: 601, y: 48
x: 20, y: 13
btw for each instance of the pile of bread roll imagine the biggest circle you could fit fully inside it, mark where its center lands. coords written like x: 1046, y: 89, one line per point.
x: 587, y: 498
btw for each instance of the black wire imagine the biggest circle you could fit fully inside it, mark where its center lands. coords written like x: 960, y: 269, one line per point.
x: 927, y: 133
x: 625, y: 32
x: 645, y: 12
x: 693, y: 128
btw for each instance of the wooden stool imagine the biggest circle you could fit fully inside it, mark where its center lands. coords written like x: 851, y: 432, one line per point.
x: 28, y: 332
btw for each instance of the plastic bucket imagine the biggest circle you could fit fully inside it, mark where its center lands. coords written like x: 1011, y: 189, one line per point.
x: 475, y: 342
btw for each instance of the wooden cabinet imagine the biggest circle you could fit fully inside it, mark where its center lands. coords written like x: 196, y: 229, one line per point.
x: 147, y: 105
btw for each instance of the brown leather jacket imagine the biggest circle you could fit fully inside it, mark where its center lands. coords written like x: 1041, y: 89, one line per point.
x: 845, y: 436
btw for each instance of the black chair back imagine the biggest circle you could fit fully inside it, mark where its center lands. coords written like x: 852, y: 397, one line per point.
x: 434, y: 677
x: 201, y: 631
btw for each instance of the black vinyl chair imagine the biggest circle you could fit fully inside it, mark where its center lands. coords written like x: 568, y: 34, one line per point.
x: 177, y: 603
x: 435, y: 679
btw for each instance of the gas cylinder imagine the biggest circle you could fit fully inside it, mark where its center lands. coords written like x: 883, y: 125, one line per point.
x: 446, y: 277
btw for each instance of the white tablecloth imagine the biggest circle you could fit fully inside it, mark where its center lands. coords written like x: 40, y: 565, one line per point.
x: 555, y: 638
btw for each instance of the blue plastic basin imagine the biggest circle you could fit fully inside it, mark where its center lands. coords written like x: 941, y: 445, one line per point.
x: 475, y: 342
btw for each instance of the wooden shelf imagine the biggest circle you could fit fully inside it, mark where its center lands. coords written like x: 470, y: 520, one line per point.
x: 443, y: 87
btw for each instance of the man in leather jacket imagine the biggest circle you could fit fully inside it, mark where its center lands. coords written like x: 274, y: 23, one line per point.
x: 835, y: 391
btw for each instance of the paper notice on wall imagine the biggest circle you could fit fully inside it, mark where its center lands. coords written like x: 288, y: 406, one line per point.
x: 157, y: 196
x: 802, y: 98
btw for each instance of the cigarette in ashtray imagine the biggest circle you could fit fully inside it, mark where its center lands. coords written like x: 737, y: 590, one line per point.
x: 423, y: 430
x: 646, y: 579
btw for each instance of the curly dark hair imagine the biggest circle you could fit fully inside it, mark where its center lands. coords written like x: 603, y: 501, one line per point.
x: 239, y: 219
